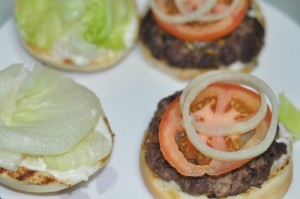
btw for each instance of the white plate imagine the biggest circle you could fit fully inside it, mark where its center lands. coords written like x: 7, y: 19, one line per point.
x: 130, y: 91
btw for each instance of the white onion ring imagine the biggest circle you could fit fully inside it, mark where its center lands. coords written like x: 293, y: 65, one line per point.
x: 235, y: 128
x: 192, y: 16
x: 219, y: 16
x: 180, y: 6
x: 198, y: 15
x: 194, y: 88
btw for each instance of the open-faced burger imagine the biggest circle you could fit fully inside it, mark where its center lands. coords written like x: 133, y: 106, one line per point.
x: 53, y: 131
x: 188, y: 37
x: 80, y: 35
x: 218, y: 138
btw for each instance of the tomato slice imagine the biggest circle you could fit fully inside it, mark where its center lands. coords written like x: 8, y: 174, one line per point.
x: 219, y: 103
x: 205, y: 31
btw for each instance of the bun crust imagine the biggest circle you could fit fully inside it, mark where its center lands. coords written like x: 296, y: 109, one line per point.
x: 28, y: 180
x: 188, y: 73
x: 274, y: 187
x: 38, y: 182
x: 104, y: 62
x: 101, y: 63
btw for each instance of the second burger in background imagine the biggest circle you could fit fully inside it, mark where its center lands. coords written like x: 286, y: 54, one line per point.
x: 185, y: 38
x: 77, y: 35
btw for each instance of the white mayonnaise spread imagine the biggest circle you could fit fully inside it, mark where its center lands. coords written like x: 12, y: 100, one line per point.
x: 251, y: 13
x: 237, y: 66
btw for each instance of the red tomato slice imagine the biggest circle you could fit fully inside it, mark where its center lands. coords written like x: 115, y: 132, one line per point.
x: 235, y: 103
x: 206, y: 31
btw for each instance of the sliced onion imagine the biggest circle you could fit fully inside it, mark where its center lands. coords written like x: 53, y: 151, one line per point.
x: 219, y: 16
x: 192, y: 16
x: 200, y: 83
x: 180, y: 5
x: 239, y: 127
x: 200, y: 14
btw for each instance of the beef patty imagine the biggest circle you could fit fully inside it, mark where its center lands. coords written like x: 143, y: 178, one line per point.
x: 254, y: 173
x: 243, y: 44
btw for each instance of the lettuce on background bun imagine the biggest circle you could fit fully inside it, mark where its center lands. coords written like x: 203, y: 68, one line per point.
x: 77, y: 35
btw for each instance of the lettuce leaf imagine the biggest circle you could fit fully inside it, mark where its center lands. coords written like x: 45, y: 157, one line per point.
x: 42, y: 22
x: 44, y: 112
x: 289, y: 115
x: 122, y: 14
x: 88, y: 152
x: 100, y: 22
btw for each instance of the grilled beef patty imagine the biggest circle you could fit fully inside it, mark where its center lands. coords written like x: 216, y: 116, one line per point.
x: 243, y: 44
x: 237, y: 181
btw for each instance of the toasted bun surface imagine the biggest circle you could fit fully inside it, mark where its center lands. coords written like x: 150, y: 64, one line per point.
x: 33, y: 181
x: 38, y: 182
x: 101, y: 63
x: 189, y: 73
x: 275, y: 187
x: 106, y: 61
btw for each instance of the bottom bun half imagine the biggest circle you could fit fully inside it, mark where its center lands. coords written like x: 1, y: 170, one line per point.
x: 275, y: 187
x: 39, y: 181
x: 100, y: 63
x: 105, y: 59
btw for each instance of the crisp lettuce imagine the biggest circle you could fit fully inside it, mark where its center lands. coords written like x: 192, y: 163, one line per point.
x: 289, y: 115
x: 102, y: 23
x: 44, y: 112
x: 88, y: 152
x: 122, y: 16
x: 42, y: 22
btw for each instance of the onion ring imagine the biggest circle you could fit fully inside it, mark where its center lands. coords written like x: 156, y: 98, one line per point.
x: 235, y: 128
x: 194, y: 88
x: 180, y: 6
x: 200, y: 14
x: 192, y: 16
x: 219, y: 16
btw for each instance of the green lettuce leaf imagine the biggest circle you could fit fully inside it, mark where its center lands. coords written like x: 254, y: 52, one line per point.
x: 44, y: 112
x: 42, y: 22
x: 289, y: 115
x: 122, y: 13
x: 102, y: 23
x: 90, y: 150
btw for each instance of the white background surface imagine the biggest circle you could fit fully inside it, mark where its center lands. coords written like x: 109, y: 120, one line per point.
x: 130, y: 91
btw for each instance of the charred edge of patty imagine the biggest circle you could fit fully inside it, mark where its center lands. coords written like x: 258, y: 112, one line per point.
x: 253, y: 174
x: 243, y: 45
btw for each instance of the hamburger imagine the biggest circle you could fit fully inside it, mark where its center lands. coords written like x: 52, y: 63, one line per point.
x: 186, y: 38
x: 54, y: 132
x: 218, y: 138
x: 77, y: 35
